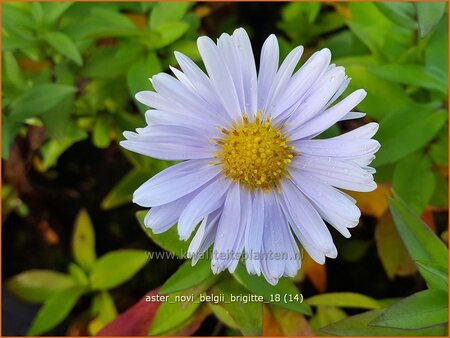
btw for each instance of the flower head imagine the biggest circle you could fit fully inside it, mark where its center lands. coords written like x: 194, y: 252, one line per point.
x: 252, y: 174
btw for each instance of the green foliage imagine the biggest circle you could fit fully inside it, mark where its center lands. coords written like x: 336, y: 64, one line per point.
x: 284, y: 288
x: 344, y: 299
x: 116, y: 267
x: 423, y: 309
x: 72, y: 71
x: 188, y: 276
x: 55, y: 309
x: 83, y: 241
x: 173, y: 315
x: 421, y: 242
x: 38, y: 286
x: 60, y: 292
x: 360, y: 325
x: 247, y: 316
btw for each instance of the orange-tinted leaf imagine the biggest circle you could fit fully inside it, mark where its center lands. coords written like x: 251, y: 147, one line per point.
x: 270, y: 325
x: 391, y: 250
x: 315, y: 272
x: 139, y: 19
x: 372, y: 203
x: 428, y: 218
x: 290, y: 323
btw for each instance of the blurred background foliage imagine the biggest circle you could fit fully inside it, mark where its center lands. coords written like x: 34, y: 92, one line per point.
x: 70, y: 72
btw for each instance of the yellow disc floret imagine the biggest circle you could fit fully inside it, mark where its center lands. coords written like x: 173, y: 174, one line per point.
x: 255, y: 153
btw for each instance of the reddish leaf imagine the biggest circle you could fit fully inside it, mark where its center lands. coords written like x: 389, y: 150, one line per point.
x: 135, y: 321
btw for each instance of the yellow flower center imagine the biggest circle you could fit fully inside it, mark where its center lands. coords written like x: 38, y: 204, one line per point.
x: 255, y: 153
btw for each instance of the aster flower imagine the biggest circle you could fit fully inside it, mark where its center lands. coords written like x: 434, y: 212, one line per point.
x: 252, y: 174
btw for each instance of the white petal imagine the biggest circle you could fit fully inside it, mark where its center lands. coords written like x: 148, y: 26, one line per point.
x: 175, y: 182
x: 346, y: 148
x: 268, y: 67
x: 228, y: 231
x: 353, y: 115
x: 254, y: 235
x: 200, y: 82
x: 365, y: 132
x: 301, y: 85
x: 315, y: 102
x: 163, y: 217
x: 204, y: 237
x: 208, y: 199
x: 248, y: 69
x: 338, y: 173
x: 329, y: 117
x: 306, y: 220
x: 282, y: 80
x: 220, y: 76
x: 332, y: 205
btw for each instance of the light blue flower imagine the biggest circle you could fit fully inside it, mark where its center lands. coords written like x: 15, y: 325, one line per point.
x: 252, y: 174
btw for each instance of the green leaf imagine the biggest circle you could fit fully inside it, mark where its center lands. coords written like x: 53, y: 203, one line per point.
x: 116, y: 267
x: 421, y: 242
x: 78, y: 274
x: 399, y: 12
x: 391, y: 250
x: 83, y: 241
x: 64, y: 45
x: 436, y: 51
x: 326, y: 315
x: 57, y: 119
x: 410, y: 138
x: 55, y: 310
x: 10, y: 129
x: 416, y: 75
x: 379, y: 89
x: 344, y: 299
x: 421, y: 310
x: 359, y: 325
x: 429, y: 14
x: 440, y: 197
x: 436, y: 276
x: 53, y: 148
x: 102, y: 130
x: 39, y: 99
x: 38, y: 286
x: 247, y: 315
x: 259, y: 286
x: 439, y: 149
x: 103, y: 305
x: 122, y: 192
x: 169, y: 240
x: 139, y: 73
x: 54, y: 10
x: 37, y: 13
x: 414, y: 181
x: 223, y: 315
x: 188, y: 276
x: 173, y: 313
x: 165, y: 12
x: 12, y: 70
x: 111, y: 62
x: 385, y: 39
x: 168, y: 33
